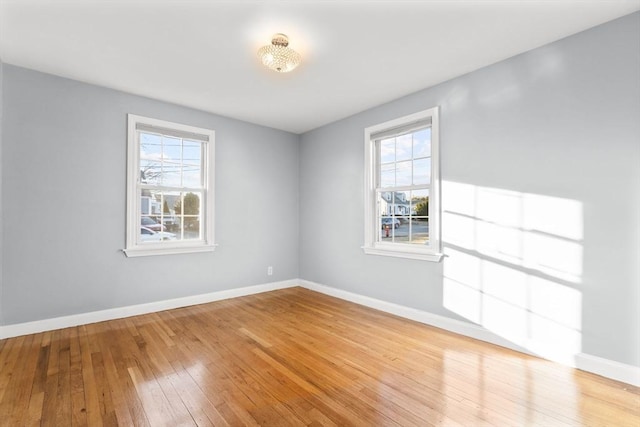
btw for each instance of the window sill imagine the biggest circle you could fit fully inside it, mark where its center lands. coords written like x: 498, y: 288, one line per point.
x: 403, y: 253
x: 173, y: 250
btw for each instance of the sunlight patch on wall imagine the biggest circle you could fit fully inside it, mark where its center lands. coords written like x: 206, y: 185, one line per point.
x: 513, y: 261
x: 536, y: 232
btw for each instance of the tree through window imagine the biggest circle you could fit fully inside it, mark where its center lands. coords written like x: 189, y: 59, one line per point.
x: 402, y: 185
x: 170, y: 187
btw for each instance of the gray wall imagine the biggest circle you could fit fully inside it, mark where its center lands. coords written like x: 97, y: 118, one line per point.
x: 1, y: 214
x: 63, y: 176
x: 559, y: 121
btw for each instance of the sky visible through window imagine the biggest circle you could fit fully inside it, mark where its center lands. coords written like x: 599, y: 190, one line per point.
x: 168, y: 161
x: 171, y: 171
x: 403, y: 187
x: 406, y: 159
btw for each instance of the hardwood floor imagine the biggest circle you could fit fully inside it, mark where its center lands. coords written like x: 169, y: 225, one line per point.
x: 291, y: 357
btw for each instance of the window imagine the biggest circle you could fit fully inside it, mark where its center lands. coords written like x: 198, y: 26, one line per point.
x: 169, y: 188
x: 402, y: 187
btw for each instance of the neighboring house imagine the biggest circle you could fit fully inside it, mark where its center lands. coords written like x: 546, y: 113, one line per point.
x: 149, y: 205
x: 395, y: 203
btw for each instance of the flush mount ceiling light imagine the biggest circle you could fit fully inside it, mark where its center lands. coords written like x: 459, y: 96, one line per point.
x: 278, y: 56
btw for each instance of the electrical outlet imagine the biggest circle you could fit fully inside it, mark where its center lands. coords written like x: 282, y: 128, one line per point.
x: 269, y: 271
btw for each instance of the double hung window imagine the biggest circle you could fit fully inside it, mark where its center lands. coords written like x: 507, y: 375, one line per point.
x: 170, y: 188
x: 402, y: 187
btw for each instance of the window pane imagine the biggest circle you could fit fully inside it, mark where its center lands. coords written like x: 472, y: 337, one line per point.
x: 422, y: 143
x: 192, y: 168
x: 385, y: 203
x: 189, y: 218
x: 156, y: 220
x: 402, y: 212
x: 191, y: 227
x: 191, y: 176
x: 146, y: 236
x: 150, y: 146
x: 168, y: 216
x: 388, y: 226
x: 422, y: 171
x: 394, y: 210
x: 419, y: 226
x: 192, y: 152
x: 150, y: 236
x: 388, y: 175
x: 150, y: 171
x: 388, y: 150
x: 419, y: 234
x: 163, y: 220
x: 171, y: 149
x: 385, y: 220
x: 171, y: 173
x: 170, y: 161
x: 402, y: 203
x: 150, y: 158
x: 150, y: 204
x: 403, y: 173
x: 152, y: 228
x: 403, y: 147
x: 420, y: 203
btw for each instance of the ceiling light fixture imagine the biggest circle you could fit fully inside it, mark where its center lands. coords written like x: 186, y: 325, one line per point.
x: 278, y: 56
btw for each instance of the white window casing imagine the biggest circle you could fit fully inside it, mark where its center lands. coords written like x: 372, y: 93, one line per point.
x: 137, y: 242
x: 374, y: 244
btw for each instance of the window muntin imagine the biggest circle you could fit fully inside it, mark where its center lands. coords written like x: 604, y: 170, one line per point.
x: 403, y: 217
x: 403, y: 182
x: 401, y: 203
x: 170, y: 188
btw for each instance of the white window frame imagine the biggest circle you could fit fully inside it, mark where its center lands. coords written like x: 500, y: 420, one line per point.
x: 371, y: 166
x: 134, y: 247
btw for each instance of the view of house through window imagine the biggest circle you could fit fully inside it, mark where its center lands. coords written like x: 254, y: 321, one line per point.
x: 170, y: 186
x: 403, y: 187
x: 170, y: 200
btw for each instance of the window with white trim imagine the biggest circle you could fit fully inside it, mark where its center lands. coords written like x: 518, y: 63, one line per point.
x: 170, y: 183
x: 402, y: 187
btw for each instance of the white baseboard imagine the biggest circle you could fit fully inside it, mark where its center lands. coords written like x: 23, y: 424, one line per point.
x: 442, y: 322
x: 607, y: 368
x: 18, y: 329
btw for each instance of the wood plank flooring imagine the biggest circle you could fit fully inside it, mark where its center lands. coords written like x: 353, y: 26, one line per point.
x: 291, y: 357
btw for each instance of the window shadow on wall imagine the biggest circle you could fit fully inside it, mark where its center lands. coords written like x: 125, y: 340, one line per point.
x: 514, y: 266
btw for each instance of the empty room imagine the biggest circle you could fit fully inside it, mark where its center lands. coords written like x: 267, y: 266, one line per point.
x: 320, y: 213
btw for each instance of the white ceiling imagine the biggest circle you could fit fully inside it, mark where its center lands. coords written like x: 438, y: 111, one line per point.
x: 356, y: 54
